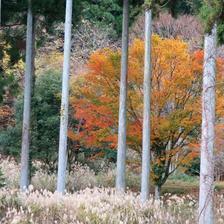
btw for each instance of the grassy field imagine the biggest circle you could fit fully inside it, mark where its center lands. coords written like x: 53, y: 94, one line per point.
x: 185, y: 184
x: 93, y: 200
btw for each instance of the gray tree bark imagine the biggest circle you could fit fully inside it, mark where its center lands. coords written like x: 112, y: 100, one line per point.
x: 145, y: 180
x: 24, y: 179
x: 62, y: 160
x: 157, y: 192
x: 121, y: 154
x: 0, y: 13
x: 208, y: 131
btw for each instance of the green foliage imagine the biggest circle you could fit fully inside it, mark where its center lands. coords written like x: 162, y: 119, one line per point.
x: 177, y: 7
x: 108, y: 13
x: 8, y: 80
x: 14, y: 21
x: 193, y: 168
x: 46, y: 118
x: 51, y: 10
x: 10, y: 139
x: 11, y: 9
x: 54, y: 11
x: 148, y: 3
x: 211, y: 13
x: 180, y: 176
x: 45, y: 122
x: 105, y: 12
x: 7, y: 83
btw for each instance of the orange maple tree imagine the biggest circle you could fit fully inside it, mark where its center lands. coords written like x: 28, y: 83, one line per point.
x: 175, y: 102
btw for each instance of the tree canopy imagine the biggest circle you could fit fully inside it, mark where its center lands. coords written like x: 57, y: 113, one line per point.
x: 212, y: 12
x: 176, y: 93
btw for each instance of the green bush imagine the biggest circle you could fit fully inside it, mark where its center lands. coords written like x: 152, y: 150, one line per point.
x: 108, y: 13
x: 180, y: 176
x: 45, y: 122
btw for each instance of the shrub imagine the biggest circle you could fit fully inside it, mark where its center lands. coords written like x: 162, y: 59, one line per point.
x: 45, y: 122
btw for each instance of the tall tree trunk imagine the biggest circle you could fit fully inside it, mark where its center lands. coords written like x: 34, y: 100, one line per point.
x: 62, y: 161
x: 208, y: 130
x: 24, y: 179
x: 146, y: 117
x: 157, y: 192
x: 121, y: 154
x: 0, y: 13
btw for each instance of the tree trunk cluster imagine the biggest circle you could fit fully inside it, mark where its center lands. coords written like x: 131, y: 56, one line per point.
x: 206, y: 196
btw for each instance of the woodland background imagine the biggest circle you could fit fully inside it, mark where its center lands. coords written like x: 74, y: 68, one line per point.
x: 177, y: 67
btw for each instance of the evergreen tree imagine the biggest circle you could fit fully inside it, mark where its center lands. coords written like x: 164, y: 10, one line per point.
x: 45, y: 122
x: 108, y: 13
x: 177, y: 7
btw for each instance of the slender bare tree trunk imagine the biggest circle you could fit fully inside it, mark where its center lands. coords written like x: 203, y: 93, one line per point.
x: 121, y: 154
x: 208, y: 131
x: 24, y: 179
x: 0, y: 13
x: 145, y: 183
x: 157, y: 192
x: 62, y: 161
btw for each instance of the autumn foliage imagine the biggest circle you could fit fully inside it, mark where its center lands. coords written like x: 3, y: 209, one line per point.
x: 10, y: 75
x: 175, y: 102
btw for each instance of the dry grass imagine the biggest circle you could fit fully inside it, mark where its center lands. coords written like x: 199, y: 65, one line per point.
x: 98, y: 206
x: 92, y: 206
x: 95, y: 202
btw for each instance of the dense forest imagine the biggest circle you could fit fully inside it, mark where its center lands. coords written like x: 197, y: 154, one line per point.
x: 111, y: 111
